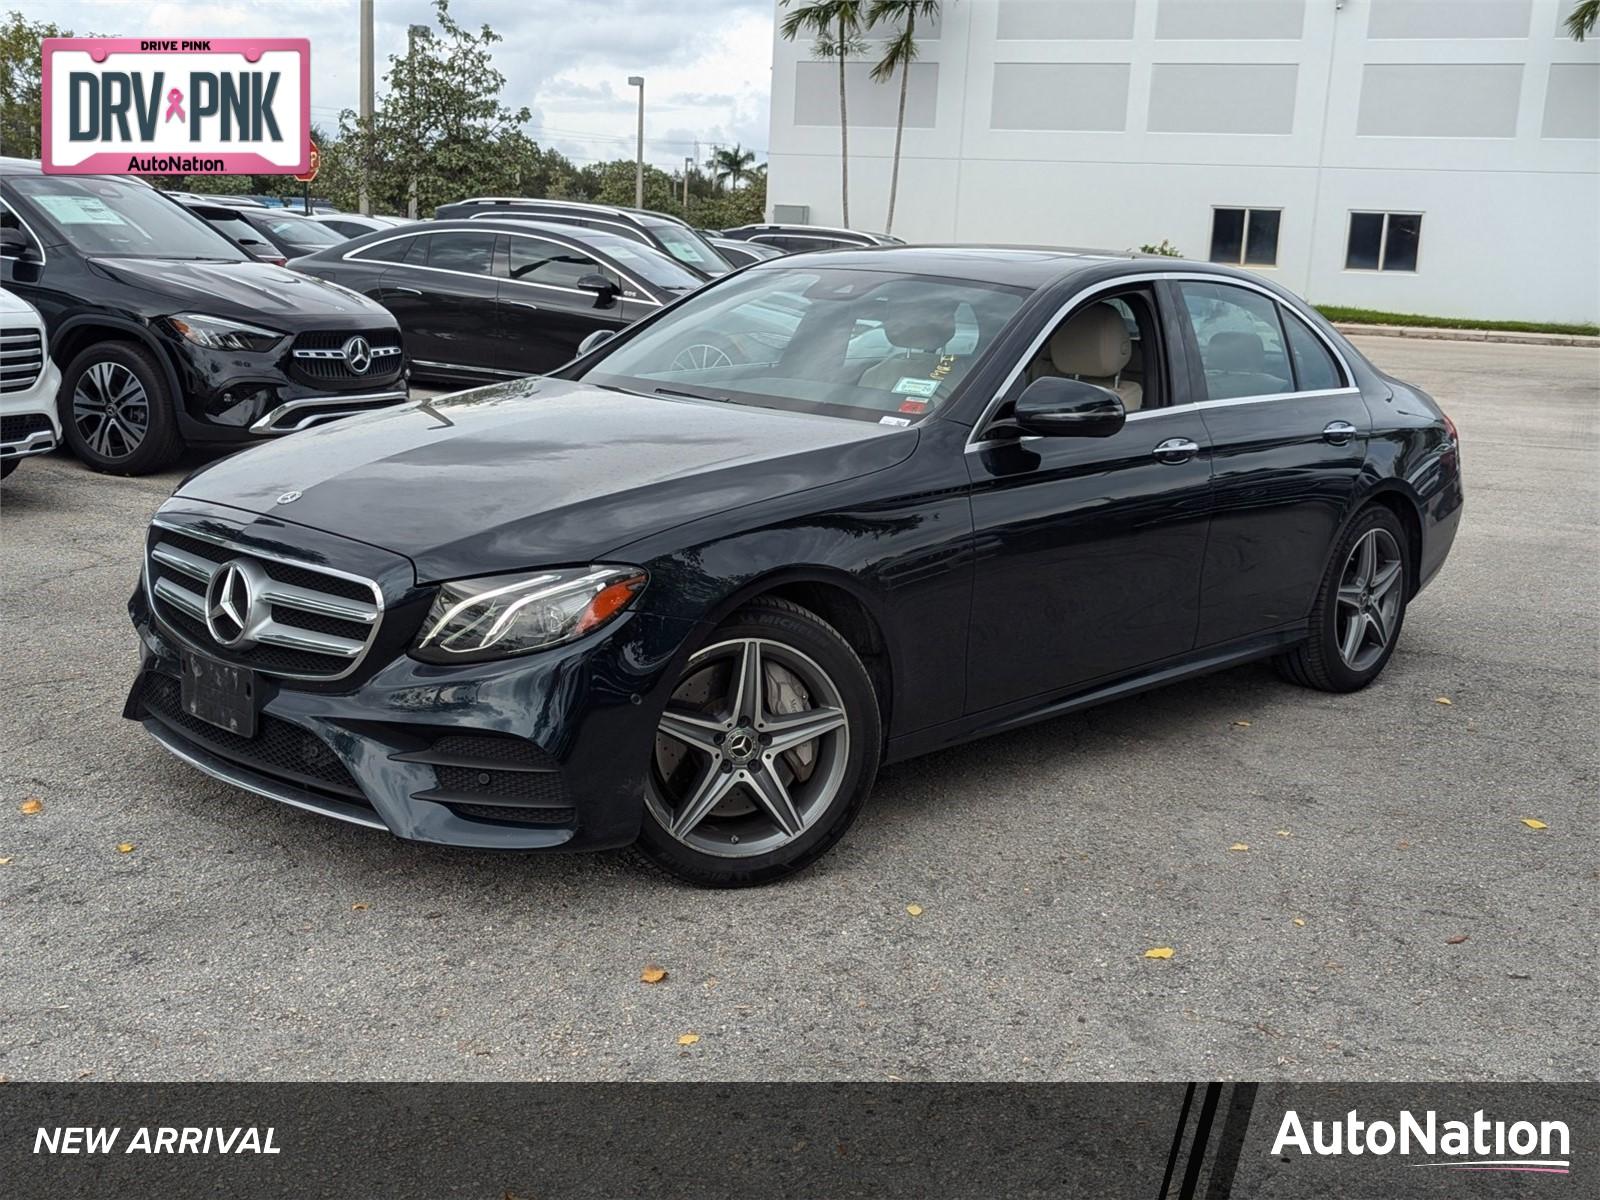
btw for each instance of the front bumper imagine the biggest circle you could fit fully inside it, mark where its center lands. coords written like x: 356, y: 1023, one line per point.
x: 545, y: 752
x: 28, y: 421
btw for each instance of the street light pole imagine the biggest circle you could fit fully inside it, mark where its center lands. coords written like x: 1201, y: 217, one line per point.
x: 688, y: 164
x: 412, y: 34
x: 638, y: 166
x: 366, y: 105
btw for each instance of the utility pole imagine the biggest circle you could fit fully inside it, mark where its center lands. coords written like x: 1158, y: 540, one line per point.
x: 366, y: 104
x: 412, y: 34
x: 638, y: 167
x: 688, y: 164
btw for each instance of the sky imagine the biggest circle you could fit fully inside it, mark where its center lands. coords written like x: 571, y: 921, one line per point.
x: 707, y: 64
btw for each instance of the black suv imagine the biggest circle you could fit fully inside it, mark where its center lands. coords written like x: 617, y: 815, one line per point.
x: 658, y: 230
x: 167, y: 333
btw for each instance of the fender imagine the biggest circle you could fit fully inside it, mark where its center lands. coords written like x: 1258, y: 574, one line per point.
x: 138, y: 333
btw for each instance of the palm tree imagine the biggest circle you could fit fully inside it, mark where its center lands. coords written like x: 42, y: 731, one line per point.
x: 1582, y: 20
x: 734, y: 165
x: 898, y: 55
x: 836, y: 25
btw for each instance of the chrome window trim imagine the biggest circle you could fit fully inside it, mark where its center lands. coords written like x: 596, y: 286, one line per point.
x: 221, y: 653
x: 973, y: 441
x: 644, y: 296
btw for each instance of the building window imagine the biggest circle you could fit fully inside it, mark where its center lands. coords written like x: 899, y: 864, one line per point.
x: 1383, y: 241
x: 1245, y: 236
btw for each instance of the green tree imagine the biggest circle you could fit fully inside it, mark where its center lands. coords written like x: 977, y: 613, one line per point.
x: 836, y: 26
x: 19, y: 83
x: 1581, y: 21
x: 735, y: 165
x: 898, y: 55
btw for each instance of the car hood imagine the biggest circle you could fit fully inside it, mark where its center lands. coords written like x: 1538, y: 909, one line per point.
x: 539, y: 472
x: 259, y: 292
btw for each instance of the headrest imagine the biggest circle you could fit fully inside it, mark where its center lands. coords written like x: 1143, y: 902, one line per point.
x: 918, y: 327
x: 1094, y: 343
x: 1236, y: 352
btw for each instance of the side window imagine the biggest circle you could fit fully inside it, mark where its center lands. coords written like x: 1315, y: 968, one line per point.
x: 1240, y: 340
x: 1314, y: 367
x: 1114, y: 342
x: 468, y: 252
x: 532, y: 260
x: 391, y: 251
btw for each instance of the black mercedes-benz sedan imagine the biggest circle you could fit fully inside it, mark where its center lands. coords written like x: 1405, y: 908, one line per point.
x: 945, y: 492
x: 485, y: 300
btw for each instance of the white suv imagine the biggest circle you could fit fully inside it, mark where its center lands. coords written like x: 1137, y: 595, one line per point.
x: 28, y: 385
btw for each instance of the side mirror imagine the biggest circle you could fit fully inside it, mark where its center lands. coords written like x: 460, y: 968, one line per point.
x: 606, y: 290
x: 1057, y: 407
x: 15, y: 244
x: 598, y: 337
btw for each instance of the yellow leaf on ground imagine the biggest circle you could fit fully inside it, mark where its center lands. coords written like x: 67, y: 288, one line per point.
x: 652, y: 974
x: 1284, y: 833
x: 358, y: 907
x: 1441, y: 700
x: 31, y: 805
x: 914, y: 909
x: 1159, y: 952
x: 1242, y: 724
x: 1239, y: 846
x: 1534, y: 823
x: 5, y: 862
x: 1299, y: 920
x: 688, y: 1039
x: 124, y: 847
x: 1455, y: 941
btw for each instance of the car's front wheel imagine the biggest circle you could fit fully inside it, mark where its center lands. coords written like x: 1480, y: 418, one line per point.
x: 117, y: 412
x: 1359, y: 609
x: 765, y: 752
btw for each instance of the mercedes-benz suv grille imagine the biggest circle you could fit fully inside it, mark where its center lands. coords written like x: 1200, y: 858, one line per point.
x: 343, y: 359
x: 236, y: 604
x: 21, y: 359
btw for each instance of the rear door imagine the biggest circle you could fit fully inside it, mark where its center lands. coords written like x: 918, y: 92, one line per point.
x: 543, y: 311
x: 445, y: 296
x: 1289, y: 432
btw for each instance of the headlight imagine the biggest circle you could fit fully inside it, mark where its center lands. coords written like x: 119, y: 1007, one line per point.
x: 217, y: 333
x: 503, y: 615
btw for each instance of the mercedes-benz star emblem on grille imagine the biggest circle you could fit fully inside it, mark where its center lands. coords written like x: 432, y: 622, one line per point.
x: 289, y: 497
x: 229, y: 601
x: 358, y: 354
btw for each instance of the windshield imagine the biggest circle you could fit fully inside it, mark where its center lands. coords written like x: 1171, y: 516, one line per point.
x: 650, y: 265
x: 99, y: 215
x: 867, y: 345
x: 301, y: 232
x: 687, y: 246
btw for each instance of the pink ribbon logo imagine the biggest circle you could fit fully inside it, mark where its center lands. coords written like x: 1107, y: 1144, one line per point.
x: 175, y: 105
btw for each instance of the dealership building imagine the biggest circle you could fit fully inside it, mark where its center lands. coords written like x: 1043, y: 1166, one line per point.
x: 1421, y: 156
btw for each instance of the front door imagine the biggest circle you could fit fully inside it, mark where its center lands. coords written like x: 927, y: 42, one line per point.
x: 545, y: 314
x: 444, y: 296
x: 1089, y: 550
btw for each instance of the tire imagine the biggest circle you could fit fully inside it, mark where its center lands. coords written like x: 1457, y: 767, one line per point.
x: 712, y: 747
x: 1325, y: 661
x: 101, y: 374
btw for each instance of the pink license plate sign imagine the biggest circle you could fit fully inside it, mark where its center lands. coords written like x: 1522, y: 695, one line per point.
x: 170, y: 106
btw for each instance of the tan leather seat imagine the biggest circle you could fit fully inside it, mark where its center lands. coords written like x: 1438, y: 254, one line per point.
x: 922, y: 332
x: 1236, y: 365
x: 1093, y: 346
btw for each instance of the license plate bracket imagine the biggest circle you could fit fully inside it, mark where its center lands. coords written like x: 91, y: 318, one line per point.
x: 219, y: 694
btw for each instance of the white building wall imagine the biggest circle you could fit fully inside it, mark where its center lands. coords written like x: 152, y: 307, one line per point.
x: 1114, y: 123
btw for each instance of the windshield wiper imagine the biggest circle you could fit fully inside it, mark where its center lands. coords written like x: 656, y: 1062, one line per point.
x: 690, y: 395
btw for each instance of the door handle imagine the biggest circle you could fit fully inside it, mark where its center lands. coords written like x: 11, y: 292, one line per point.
x: 402, y: 291
x: 1338, y: 432
x: 1176, y: 450
x: 528, y: 304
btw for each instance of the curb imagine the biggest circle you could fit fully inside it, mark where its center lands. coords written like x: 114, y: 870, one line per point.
x: 1466, y: 335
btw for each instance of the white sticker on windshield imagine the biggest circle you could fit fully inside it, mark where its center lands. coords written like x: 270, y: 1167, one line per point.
x: 894, y: 420
x: 909, y: 386
x: 79, y: 210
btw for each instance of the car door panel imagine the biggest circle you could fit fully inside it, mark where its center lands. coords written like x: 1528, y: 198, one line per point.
x: 448, y: 310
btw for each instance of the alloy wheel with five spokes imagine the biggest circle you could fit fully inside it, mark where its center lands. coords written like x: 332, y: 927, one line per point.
x: 1369, y: 598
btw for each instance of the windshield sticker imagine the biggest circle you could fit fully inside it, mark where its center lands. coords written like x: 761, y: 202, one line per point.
x: 909, y: 386
x: 913, y: 406
x: 894, y: 420
x: 79, y: 210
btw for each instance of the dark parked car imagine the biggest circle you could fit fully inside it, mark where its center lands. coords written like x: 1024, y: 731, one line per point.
x: 657, y: 230
x: 353, y: 225
x: 742, y: 254
x: 796, y: 239
x: 289, y: 235
x: 490, y: 300
x: 699, y: 606
x: 229, y: 220
x: 166, y: 332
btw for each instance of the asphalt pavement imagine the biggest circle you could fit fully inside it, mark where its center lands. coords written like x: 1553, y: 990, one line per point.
x: 1393, y: 917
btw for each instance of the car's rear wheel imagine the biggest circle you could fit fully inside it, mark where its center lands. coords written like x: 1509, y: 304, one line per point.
x: 765, y: 753
x: 117, y: 410
x: 1360, y: 608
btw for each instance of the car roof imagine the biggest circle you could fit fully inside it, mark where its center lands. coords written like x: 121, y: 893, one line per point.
x: 508, y: 202
x: 1016, y: 266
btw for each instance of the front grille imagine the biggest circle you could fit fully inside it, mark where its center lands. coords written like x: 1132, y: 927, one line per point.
x: 279, y: 749
x: 303, y: 622
x: 21, y: 360
x: 14, y: 429
x: 319, y: 358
